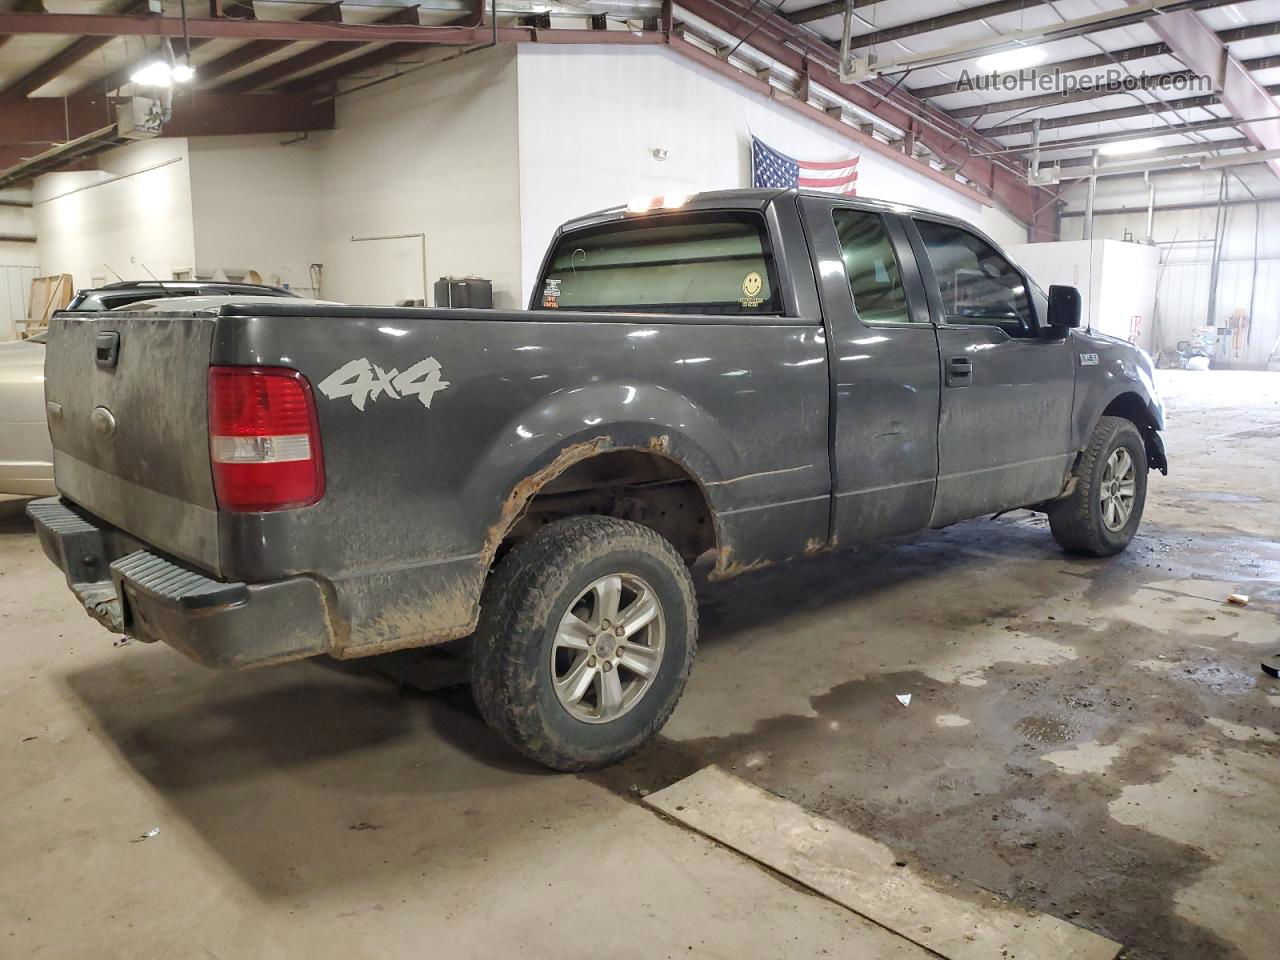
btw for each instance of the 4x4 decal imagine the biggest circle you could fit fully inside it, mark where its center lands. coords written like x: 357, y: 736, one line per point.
x: 363, y: 381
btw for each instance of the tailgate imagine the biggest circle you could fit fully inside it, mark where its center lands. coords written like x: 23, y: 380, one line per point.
x: 127, y: 398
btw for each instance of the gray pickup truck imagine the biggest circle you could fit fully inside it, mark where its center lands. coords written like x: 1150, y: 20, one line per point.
x: 749, y: 376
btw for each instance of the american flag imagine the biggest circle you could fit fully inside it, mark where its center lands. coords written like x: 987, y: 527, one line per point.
x: 770, y: 168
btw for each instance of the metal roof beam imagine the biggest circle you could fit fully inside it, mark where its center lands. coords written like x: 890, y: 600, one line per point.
x: 1112, y: 57
x: 34, y: 125
x: 1099, y: 116
x: 1101, y: 139
x: 1141, y: 11
x: 257, y: 49
x: 915, y: 27
x: 824, y: 10
x: 225, y: 28
x: 1174, y: 150
x: 271, y: 75
x: 56, y: 65
x: 1200, y: 49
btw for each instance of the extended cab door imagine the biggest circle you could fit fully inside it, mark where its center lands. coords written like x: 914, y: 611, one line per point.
x: 883, y: 356
x: 1004, y: 433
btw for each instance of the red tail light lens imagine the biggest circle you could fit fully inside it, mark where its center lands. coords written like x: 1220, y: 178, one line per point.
x: 264, y: 439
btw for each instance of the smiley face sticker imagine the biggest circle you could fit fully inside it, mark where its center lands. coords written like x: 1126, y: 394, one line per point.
x: 752, y: 284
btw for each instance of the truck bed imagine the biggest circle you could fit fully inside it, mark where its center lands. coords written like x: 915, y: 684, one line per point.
x: 433, y: 423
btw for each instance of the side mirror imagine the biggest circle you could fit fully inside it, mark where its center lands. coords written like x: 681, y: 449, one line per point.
x: 1064, y: 306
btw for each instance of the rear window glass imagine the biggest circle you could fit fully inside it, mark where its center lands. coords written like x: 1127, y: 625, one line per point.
x: 716, y: 263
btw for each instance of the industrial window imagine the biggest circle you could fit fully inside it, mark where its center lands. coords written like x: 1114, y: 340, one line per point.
x: 978, y: 285
x: 686, y: 263
x: 874, y: 279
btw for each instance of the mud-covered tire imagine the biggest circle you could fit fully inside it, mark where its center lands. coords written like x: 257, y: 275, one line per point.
x: 524, y: 601
x: 1077, y: 520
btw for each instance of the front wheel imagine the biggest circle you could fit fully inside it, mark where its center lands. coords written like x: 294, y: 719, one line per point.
x: 1104, y: 509
x: 587, y: 633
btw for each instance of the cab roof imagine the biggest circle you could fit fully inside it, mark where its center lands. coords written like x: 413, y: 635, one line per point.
x: 746, y: 198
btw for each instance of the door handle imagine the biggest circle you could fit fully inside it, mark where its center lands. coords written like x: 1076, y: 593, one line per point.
x: 959, y: 371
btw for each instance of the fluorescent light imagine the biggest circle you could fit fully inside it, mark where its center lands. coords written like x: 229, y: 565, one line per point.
x: 1125, y: 147
x: 154, y: 74
x: 1018, y: 58
x: 157, y: 73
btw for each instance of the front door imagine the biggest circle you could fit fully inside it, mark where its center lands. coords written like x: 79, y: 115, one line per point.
x: 1004, y: 431
x: 883, y: 356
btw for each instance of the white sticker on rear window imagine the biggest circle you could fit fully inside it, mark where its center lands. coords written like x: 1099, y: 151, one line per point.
x: 362, y: 381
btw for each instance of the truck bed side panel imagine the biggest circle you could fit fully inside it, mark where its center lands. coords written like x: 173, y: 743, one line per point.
x: 416, y: 494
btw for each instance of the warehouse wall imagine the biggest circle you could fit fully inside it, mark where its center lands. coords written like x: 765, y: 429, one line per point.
x: 626, y: 102
x: 133, y: 214
x: 256, y: 204
x: 434, y: 152
x: 17, y: 261
x: 17, y: 221
x: 1185, y: 241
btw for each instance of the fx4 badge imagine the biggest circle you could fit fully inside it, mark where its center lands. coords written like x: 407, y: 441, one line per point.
x: 1088, y: 359
x: 363, y: 381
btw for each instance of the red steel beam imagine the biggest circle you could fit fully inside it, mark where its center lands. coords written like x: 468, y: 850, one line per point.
x: 1238, y: 89
x: 56, y: 65
x: 946, y: 138
x: 321, y: 79
x: 271, y: 75
x: 257, y: 49
x: 33, y: 124
x: 206, y: 28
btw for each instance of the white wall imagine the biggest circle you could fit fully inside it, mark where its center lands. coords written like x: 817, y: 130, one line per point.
x: 590, y: 118
x: 18, y: 221
x: 1185, y: 239
x: 133, y: 214
x: 1116, y: 280
x: 256, y: 205
x: 433, y: 152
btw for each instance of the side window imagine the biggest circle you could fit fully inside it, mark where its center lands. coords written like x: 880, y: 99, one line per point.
x: 978, y: 285
x: 874, y: 280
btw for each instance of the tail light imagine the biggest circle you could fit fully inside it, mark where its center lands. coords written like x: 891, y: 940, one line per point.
x: 264, y: 439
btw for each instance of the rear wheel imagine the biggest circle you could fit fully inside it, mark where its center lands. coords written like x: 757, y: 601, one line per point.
x: 1104, y: 509
x: 587, y: 633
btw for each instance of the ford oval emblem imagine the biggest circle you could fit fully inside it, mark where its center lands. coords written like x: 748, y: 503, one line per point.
x: 103, y: 421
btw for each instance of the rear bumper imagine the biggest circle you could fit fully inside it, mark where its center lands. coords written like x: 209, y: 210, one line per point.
x: 130, y: 589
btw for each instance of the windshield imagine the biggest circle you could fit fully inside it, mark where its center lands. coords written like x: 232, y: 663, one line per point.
x: 716, y: 263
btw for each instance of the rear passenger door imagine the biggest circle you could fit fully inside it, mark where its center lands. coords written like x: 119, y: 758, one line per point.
x: 883, y: 357
x: 1004, y: 431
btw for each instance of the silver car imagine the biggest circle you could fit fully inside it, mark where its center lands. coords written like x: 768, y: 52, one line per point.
x: 26, y: 456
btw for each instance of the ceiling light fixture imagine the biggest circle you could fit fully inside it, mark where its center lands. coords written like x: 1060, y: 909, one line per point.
x: 158, y: 73
x: 1126, y: 147
x: 1019, y: 58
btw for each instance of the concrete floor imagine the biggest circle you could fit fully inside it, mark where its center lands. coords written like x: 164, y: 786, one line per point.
x: 1092, y: 739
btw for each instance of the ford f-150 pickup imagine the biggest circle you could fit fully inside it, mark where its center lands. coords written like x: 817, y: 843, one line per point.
x: 749, y: 376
